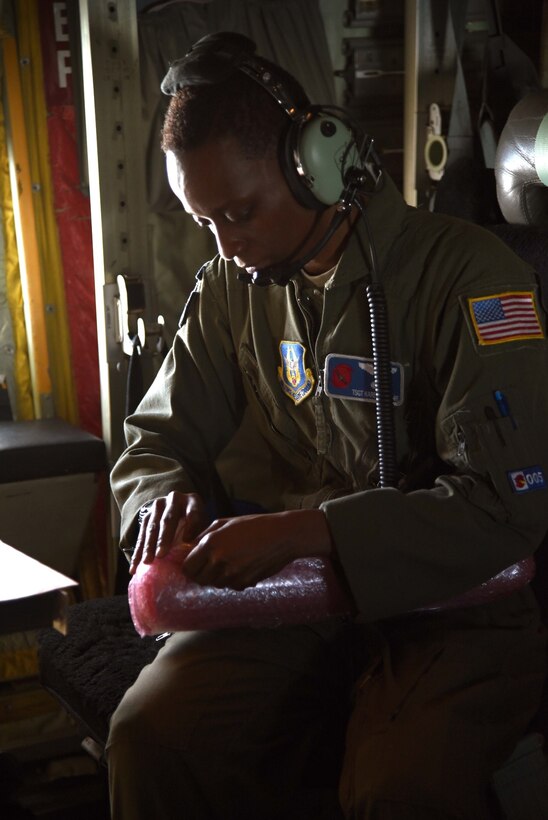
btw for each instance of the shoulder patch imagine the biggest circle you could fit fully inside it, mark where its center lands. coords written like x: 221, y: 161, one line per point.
x: 505, y: 317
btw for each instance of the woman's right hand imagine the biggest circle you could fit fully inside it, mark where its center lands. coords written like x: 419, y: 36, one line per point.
x: 168, y: 520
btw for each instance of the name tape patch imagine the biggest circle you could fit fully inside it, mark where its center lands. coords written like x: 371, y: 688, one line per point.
x: 352, y: 377
x: 527, y: 479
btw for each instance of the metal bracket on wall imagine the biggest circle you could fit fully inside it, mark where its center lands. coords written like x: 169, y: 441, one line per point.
x: 132, y: 320
x: 452, y: 40
x: 435, y: 149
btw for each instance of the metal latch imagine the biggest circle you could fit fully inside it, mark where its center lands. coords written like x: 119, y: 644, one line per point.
x: 435, y: 149
x: 131, y: 323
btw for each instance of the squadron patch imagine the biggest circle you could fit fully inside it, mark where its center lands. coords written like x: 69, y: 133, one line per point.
x: 527, y: 479
x: 296, y: 379
x: 505, y: 317
x: 352, y: 377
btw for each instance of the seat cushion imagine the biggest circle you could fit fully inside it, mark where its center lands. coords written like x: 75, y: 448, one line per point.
x: 47, y: 447
x: 89, y: 669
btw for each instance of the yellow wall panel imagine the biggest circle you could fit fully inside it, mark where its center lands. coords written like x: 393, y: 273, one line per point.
x: 23, y: 410
x: 39, y: 250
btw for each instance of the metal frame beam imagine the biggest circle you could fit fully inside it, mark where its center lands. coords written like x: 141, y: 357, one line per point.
x: 112, y: 108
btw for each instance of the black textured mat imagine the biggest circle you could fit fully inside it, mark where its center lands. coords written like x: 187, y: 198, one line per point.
x: 90, y: 668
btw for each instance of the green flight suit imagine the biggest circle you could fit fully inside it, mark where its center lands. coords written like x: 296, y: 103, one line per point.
x: 322, y: 450
x: 251, y: 364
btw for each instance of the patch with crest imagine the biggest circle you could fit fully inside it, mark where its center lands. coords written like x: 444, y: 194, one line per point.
x: 296, y: 379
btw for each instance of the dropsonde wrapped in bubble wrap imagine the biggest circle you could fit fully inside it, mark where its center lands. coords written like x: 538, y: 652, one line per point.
x: 163, y: 599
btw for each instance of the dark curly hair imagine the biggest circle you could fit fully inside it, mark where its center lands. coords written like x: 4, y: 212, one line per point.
x: 237, y: 107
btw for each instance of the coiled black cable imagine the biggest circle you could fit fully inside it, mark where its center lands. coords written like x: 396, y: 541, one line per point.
x: 382, y: 373
x: 382, y: 369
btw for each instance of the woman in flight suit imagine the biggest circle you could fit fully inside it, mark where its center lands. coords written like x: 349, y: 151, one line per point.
x: 408, y: 705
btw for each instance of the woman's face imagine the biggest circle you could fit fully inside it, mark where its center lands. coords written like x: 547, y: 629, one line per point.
x: 245, y: 203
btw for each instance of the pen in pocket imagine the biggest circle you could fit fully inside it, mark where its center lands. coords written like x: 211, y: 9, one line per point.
x: 504, y: 407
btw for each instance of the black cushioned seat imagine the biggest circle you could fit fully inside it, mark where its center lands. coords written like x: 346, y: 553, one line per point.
x: 54, y: 469
x: 90, y: 669
x: 46, y: 448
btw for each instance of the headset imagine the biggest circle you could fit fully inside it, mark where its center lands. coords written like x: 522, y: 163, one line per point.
x: 323, y: 156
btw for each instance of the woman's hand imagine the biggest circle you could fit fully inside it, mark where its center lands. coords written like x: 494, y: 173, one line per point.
x: 239, y: 552
x: 168, y: 520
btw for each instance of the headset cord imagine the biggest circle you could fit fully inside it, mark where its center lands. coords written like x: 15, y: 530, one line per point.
x: 382, y: 371
x: 388, y: 473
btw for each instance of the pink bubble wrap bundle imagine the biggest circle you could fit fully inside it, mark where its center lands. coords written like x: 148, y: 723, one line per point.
x: 507, y: 581
x: 162, y: 599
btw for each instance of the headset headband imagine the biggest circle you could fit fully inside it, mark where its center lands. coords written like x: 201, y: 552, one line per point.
x: 215, y: 57
x: 321, y: 151
x: 209, y: 61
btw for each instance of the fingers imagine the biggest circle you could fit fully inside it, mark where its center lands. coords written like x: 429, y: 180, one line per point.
x: 208, y: 570
x: 147, y: 538
x: 173, y: 512
x: 227, y: 555
x: 196, y: 562
x: 204, y: 564
x: 194, y: 521
x: 239, y: 552
x: 168, y: 520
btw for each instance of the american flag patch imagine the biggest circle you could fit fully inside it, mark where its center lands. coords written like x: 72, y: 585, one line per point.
x: 505, y: 317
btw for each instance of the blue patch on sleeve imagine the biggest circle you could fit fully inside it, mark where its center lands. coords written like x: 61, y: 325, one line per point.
x: 527, y: 479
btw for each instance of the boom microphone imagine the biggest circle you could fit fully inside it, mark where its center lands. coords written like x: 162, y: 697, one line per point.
x: 282, y: 272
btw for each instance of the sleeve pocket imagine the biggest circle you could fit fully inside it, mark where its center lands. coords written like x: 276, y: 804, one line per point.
x: 493, y: 440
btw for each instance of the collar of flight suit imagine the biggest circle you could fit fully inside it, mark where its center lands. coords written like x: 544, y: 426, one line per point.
x: 385, y: 212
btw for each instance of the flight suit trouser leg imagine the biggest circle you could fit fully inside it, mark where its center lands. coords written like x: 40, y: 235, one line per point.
x: 235, y: 724
x: 440, y: 709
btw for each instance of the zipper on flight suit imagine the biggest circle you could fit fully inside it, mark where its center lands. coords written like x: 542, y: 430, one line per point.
x: 295, y: 448
x: 461, y: 443
x: 322, y: 430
